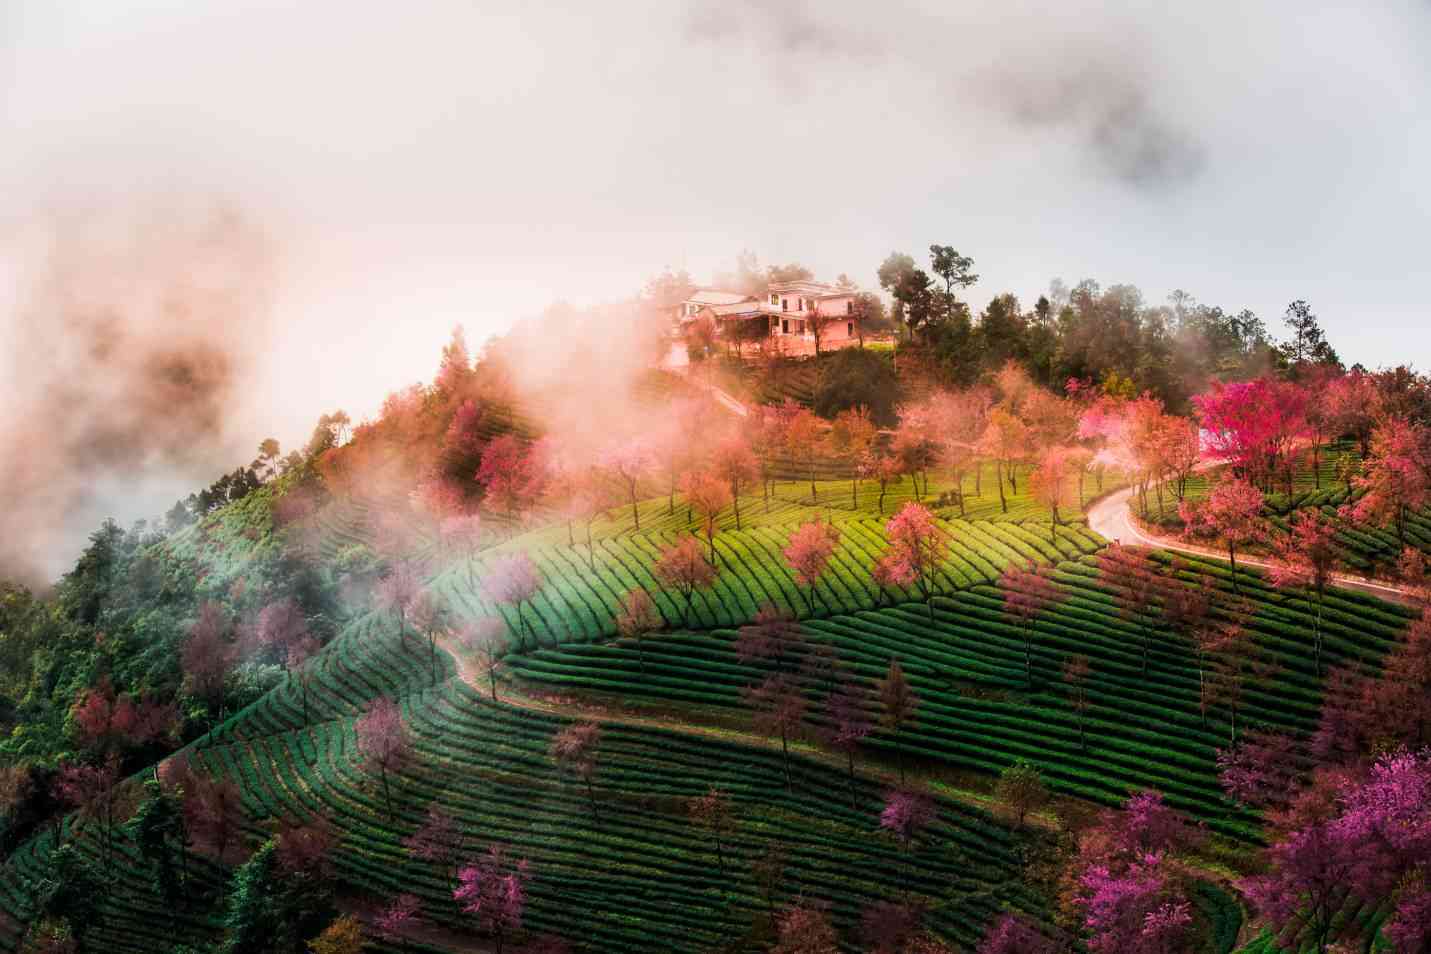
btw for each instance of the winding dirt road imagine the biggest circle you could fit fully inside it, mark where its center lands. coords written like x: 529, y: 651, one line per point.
x: 1112, y: 518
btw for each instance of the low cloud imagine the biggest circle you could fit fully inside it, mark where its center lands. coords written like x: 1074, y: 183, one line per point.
x: 134, y: 333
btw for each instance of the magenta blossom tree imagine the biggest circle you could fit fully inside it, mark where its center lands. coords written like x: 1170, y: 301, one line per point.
x: 399, y: 917
x: 493, y: 889
x: 1016, y: 934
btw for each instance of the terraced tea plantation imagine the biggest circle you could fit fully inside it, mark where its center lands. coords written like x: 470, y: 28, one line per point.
x: 635, y: 875
x: 583, y: 591
x: 977, y: 711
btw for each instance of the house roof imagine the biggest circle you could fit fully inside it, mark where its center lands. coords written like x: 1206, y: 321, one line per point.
x: 714, y: 296
x: 811, y: 289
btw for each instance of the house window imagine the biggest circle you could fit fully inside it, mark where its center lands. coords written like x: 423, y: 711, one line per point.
x: 774, y: 298
x: 850, y: 306
x: 849, y: 329
x: 784, y: 304
x: 784, y: 326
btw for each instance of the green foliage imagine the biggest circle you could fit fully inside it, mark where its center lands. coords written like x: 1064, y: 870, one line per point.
x: 854, y: 377
x: 273, y: 911
x: 157, y: 829
x: 70, y: 891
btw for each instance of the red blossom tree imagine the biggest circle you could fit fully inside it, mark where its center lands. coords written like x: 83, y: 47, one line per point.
x: 921, y: 545
x: 108, y: 721
x: 773, y: 634
x: 1260, y: 771
x: 1231, y: 512
x: 734, y: 463
x: 708, y: 496
x: 576, y: 750
x: 637, y: 617
x: 1396, y: 476
x: 1028, y: 594
x: 299, y: 660
x: 1129, y: 894
x: 208, y: 656
x: 804, y: 928
x: 95, y: 791
x: 429, y: 618
x: 1136, y: 589
x: 1049, y: 484
x: 513, y: 477
x: 779, y: 706
x: 384, y: 742
x: 712, y: 813
x: 628, y: 464
x: 213, y: 811
x: 848, y: 724
x: 484, y: 638
x: 899, y: 705
x: 1305, y: 559
x: 852, y: 437
x: 809, y: 551
x: 1076, y: 672
x: 514, y: 580
x: 684, y: 568
x: 280, y: 624
x: 440, y: 840
x: 890, y: 572
x: 396, y: 592
x: 890, y: 927
x: 306, y: 848
x: 462, y: 534
x: 804, y: 437
x: 1006, y: 440
x: 885, y: 470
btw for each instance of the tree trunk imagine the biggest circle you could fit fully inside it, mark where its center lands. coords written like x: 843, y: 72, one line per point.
x: 785, y: 752
x: 735, y: 502
x: 999, y: 479
x: 854, y: 494
x: 1232, y: 561
x: 1028, y: 656
x: 854, y: 796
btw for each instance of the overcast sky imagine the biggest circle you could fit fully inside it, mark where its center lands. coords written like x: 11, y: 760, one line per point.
x: 420, y: 164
